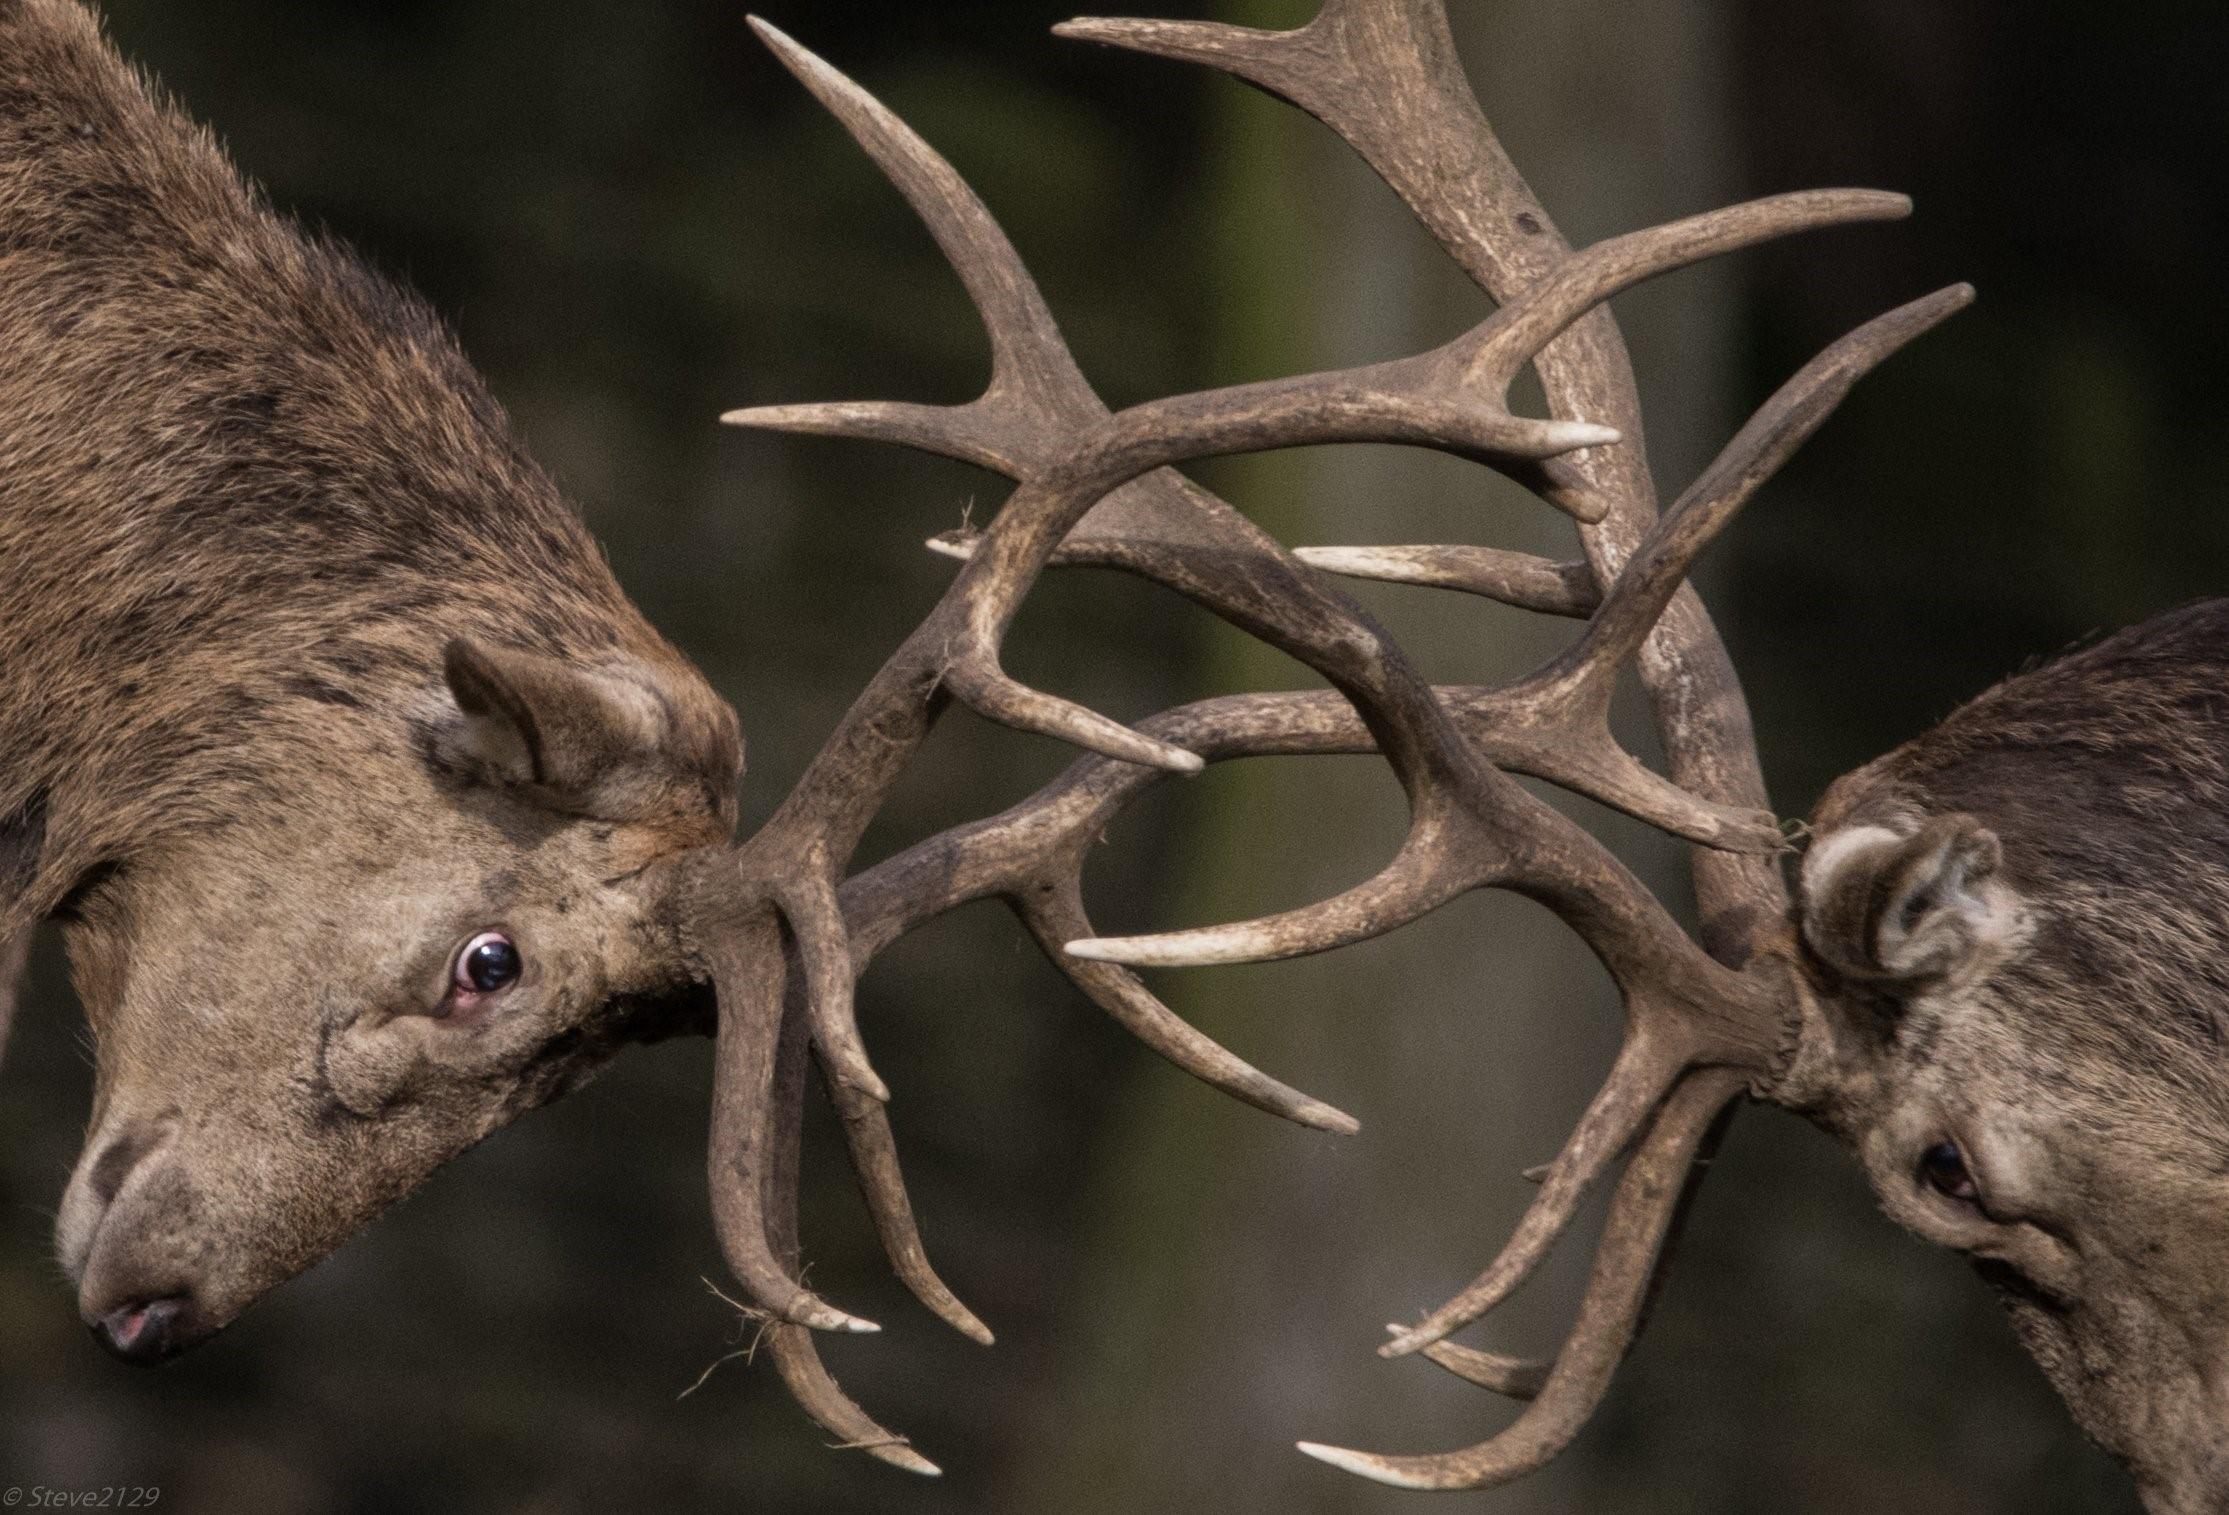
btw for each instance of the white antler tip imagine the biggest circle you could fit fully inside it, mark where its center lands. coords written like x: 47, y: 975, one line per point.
x: 909, y: 1460
x: 769, y: 33
x: 1179, y: 760
x: 1571, y: 436
x: 1365, y: 1464
x: 953, y: 544
x: 1210, y: 947
x: 1329, y: 1118
x: 1356, y: 562
x: 1099, y: 29
x: 1405, y: 1340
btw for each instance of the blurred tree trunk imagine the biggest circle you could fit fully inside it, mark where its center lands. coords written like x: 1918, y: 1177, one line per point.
x: 1246, y: 1269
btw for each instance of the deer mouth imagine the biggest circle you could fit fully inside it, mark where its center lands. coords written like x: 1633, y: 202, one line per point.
x: 150, y: 1331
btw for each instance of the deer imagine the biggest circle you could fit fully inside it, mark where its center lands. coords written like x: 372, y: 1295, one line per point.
x: 246, y: 708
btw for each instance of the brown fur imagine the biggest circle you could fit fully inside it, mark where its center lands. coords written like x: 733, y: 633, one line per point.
x: 309, y: 675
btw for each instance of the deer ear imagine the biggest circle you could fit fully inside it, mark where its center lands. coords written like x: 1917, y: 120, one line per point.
x: 580, y: 740
x: 1883, y: 906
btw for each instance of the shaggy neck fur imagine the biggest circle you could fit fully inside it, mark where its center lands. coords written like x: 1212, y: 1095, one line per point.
x: 251, y: 488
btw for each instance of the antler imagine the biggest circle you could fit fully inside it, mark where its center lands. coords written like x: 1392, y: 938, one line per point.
x: 784, y: 935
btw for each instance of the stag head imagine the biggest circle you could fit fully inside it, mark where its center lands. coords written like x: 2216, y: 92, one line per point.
x: 255, y: 1105
x: 2015, y: 926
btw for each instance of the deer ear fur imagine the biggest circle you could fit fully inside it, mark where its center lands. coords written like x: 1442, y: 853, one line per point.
x: 580, y: 740
x: 1913, y: 909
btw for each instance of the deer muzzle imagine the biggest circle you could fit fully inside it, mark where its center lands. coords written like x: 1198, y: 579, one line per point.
x: 127, y: 1241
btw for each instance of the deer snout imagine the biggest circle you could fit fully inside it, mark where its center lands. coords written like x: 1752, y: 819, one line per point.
x: 126, y: 1239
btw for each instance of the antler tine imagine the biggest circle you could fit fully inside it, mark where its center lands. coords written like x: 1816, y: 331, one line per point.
x: 1648, y: 1199
x: 1037, y: 398
x: 755, y: 1090
x: 1510, y: 1377
x: 990, y: 693
x: 1586, y: 279
x: 1034, y: 378
x: 1758, y: 451
x: 796, y: 1358
x: 816, y: 923
x: 948, y: 431
x: 1032, y: 857
x: 748, y: 1098
x: 1642, y: 1076
x: 1433, y: 866
x: 818, y: 1394
x: 1513, y: 578
x: 1055, y: 916
x: 874, y: 1159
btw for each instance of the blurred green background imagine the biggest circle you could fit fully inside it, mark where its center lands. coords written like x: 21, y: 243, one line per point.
x: 637, y: 222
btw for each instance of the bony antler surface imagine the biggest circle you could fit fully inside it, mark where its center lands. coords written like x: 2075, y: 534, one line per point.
x: 785, y: 936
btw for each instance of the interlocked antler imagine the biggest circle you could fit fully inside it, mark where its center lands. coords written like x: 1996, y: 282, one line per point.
x: 785, y: 936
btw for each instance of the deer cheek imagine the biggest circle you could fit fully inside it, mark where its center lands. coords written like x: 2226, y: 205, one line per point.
x: 381, y: 1061
x: 371, y: 1063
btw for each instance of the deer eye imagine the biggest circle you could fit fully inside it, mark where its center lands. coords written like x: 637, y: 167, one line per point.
x: 489, y: 964
x: 1942, y: 1168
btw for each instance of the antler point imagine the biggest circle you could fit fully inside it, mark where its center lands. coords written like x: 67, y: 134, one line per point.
x: 1365, y: 1464
x: 1329, y: 1118
x: 819, y: 1315
x: 1405, y: 1341
x: 1107, y: 29
x: 907, y: 1459
x: 1574, y: 436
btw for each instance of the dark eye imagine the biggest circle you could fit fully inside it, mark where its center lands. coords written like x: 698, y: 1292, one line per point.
x: 488, y: 964
x: 1942, y: 1168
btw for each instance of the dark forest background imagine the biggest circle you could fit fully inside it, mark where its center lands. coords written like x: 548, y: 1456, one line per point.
x: 637, y: 222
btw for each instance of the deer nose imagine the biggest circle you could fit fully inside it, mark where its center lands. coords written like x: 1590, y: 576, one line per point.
x: 148, y: 1332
